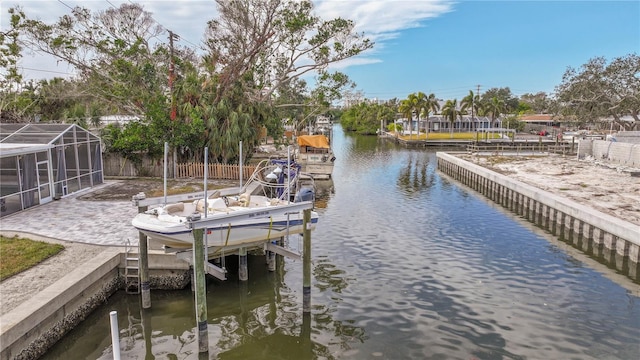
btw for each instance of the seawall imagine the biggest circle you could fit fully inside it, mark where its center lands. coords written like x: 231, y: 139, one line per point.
x: 620, y: 153
x: 613, y: 241
x: 34, y: 326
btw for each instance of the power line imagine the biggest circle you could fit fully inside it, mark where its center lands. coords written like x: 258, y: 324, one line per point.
x: 113, y: 6
x: 61, y: 2
x: 43, y: 70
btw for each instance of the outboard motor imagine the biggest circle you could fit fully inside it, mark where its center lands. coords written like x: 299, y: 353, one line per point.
x: 304, y: 194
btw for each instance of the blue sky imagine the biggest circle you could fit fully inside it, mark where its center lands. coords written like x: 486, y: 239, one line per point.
x: 441, y: 47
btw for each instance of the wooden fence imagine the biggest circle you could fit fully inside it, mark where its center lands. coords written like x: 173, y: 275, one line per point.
x: 120, y: 167
x: 216, y: 171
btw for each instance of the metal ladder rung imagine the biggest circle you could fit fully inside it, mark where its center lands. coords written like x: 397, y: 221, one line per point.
x: 131, y: 271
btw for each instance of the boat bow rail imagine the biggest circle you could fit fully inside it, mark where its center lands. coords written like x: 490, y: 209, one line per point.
x: 140, y: 200
x: 196, y: 221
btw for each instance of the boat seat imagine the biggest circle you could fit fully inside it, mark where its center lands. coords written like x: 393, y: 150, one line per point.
x: 174, y: 208
x: 200, y: 206
x: 244, y: 199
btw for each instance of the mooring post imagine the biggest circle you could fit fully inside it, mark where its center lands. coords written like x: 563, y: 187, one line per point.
x: 115, y: 335
x: 305, y: 335
x: 143, y: 254
x: 271, y: 260
x: 145, y: 288
x: 243, y: 269
x: 306, y: 262
x: 201, y: 297
x: 145, y: 316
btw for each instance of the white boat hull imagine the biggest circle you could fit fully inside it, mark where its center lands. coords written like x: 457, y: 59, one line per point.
x: 320, y: 166
x: 173, y: 231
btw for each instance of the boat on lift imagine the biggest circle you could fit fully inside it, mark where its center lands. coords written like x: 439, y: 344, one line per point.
x: 264, y: 195
x: 315, y: 155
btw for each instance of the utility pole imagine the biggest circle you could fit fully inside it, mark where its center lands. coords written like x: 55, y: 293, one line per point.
x: 472, y: 106
x: 172, y: 75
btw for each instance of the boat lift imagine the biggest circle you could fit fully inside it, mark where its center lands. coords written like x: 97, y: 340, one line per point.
x: 197, y: 221
x: 200, y: 251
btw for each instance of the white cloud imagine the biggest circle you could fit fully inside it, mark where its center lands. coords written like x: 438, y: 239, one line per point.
x: 355, y: 61
x: 379, y: 20
x: 382, y: 19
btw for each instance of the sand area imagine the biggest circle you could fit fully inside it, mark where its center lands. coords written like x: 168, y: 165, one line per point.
x: 609, y: 188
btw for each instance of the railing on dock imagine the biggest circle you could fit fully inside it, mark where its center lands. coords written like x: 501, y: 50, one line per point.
x: 522, y: 147
x: 563, y: 149
x: 506, y: 147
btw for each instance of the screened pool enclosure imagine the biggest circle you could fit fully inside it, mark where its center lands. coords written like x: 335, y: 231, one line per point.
x: 42, y: 162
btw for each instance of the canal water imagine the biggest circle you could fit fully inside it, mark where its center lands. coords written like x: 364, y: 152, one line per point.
x: 406, y: 264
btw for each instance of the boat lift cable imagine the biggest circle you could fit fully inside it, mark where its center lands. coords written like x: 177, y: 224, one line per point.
x: 226, y: 242
x: 270, y: 227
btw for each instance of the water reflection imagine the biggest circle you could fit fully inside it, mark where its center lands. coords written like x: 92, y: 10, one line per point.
x: 261, y: 318
x: 416, y: 175
x: 324, y: 191
x: 407, y: 264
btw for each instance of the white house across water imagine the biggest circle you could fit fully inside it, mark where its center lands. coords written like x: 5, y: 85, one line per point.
x: 42, y: 162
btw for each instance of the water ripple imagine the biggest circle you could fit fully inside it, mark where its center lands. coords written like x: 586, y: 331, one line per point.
x: 409, y: 265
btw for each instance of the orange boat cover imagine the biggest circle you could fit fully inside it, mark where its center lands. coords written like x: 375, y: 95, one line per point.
x: 316, y: 141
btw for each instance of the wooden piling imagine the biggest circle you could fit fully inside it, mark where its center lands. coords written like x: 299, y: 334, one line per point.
x: 200, y: 286
x: 243, y: 269
x: 143, y: 253
x: 145, y: 288
x: 271, y: 260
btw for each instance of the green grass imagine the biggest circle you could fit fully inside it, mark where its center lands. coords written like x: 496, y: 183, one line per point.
x: 18, y: 254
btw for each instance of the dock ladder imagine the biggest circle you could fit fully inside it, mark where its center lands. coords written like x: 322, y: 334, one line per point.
x: 131, y: 270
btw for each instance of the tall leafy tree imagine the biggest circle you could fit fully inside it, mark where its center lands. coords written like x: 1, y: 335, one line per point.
x: 11, y: 79
x: 257, y: 53
x: 538, y: 103
x: 365, y: 118
x: 121, y: 68
x: 600, y: 89
x: 275, y: 41
x: 112, y: 51
x: 504, y: 95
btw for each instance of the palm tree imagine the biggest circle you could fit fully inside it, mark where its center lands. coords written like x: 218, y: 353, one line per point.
x: 406, y: 109
x: 430, y: 104
x: 451, y: 112
x: 419, y: 103
x: 412, y: 105
x: 419, y: 100
x: 495, y: 107
x: 472, y: 102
